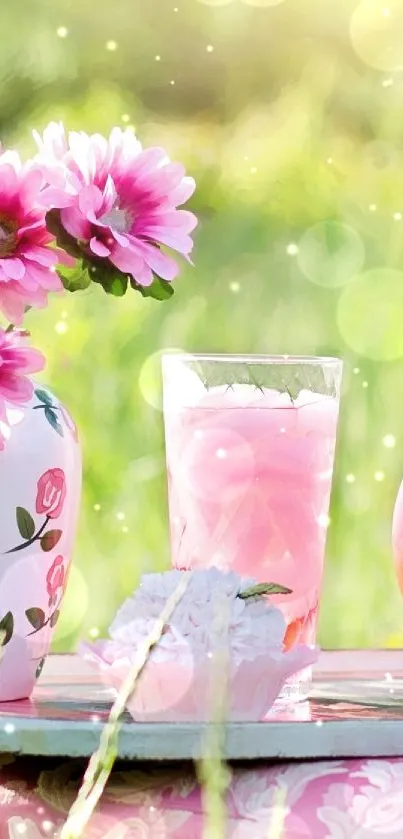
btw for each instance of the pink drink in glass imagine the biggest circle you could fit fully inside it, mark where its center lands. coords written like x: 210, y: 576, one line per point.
x: 250, y: 472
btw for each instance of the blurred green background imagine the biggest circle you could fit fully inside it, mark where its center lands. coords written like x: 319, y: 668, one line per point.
x: 289, y: 115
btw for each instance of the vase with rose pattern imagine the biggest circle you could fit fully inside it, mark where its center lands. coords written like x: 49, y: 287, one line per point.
x: 40, y: 482
x: 85, y: 211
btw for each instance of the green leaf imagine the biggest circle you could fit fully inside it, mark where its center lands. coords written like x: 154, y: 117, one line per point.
x: 118, y: 286
x: 50, y: 539
x: 159, y: 290
x: 263, y: 588
x: 74, y: 279
x: 108, y: 276
x: 63, y: 239
x: 51, y: 417
x: 44, y: 397
x: 36, y: 617
x: 7, y: 626
x: 54, y: 618
x: 25, y: 523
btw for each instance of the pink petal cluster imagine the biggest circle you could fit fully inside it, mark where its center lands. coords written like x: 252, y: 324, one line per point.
x: 27, y: 258
x: 17, y: 361
x: 118, y: 201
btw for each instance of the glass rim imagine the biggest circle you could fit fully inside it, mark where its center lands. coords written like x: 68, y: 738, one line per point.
x: 250, y: 358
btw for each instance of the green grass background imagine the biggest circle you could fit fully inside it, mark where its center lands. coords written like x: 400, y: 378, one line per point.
x: 293, y: 128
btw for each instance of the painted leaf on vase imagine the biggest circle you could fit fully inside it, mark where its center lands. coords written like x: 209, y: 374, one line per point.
x: 54, y: 618
x: 7, y: 627
x: 44, y: 396
x: 52, y: 419
x: 36, y: 617
x: 25, y: 523
x: 50, y: 539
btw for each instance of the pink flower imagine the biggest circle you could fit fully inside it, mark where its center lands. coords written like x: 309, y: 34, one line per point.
x: 51, y: 493
x: 27, y: 261
x: 118, y: 201
x: 56, y: 576
x: 16, y: 361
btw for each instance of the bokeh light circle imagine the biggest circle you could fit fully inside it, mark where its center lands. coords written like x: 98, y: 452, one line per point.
x: 370, y: 314
x: 150, y: 378
x: 376, y: 34
x: 330, y: 254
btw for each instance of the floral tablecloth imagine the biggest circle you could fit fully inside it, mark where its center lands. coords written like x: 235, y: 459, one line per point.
x: 339, y: 799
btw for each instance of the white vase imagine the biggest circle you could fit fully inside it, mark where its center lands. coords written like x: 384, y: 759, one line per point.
x: 40, y: 486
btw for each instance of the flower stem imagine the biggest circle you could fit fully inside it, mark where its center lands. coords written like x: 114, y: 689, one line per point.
x: 34, y: 538
x: 279, y: 814
x: 38, y: 629
x: 214, y: 774
x: 101, y: 762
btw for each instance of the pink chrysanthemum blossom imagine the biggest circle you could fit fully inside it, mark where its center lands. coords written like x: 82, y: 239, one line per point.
x: 17, y: 360
x: 27, y: 261
x: 117, y: 201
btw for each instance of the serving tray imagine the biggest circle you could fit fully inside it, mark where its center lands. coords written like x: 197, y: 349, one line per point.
x: 356, y: 710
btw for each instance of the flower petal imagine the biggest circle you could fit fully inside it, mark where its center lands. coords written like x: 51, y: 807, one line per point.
x: 178, y: 221
x: 8, y: 179
x: 159, y: 182
x: 36, y: 253
x: 150, y: 159
x: 55, y: 198
x: 30, y: 228
x: 64, y: 258
x: 144, y: 276
x: 161, y: 264
x: 99, y: 248
x: 130, y: 263
x: 182, y: 192
x: 80, y: 148
x: 90, y: 201
x: 53, y: 141
x: 43, y: 277
x: 16, y: 387
x: 25, y: 359
x: 126, y: 260
x: 109, y: 196
x: 75, y: 223
x: 13, y: 268
x: 179, y: 242
x: 12, y: 302
x: 31, y: 183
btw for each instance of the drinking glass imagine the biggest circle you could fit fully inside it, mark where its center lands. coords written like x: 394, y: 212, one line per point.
x: 250, y: 444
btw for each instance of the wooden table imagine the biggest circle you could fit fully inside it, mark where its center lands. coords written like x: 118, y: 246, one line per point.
x: 335, y: 763
x: 356, y: 710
